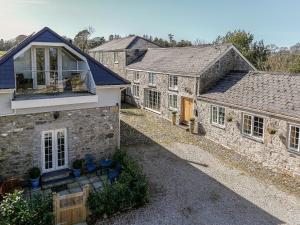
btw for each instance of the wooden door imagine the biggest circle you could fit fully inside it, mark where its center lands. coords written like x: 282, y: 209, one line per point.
x: 186, y: 110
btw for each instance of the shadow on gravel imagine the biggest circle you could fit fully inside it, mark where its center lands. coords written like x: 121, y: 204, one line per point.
x: 183, y: 194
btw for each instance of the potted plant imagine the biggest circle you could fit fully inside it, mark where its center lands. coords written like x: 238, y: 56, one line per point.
x: 192, y: 125
x: 34, y: 174
x: 174, y: 117
x: 77, y: 165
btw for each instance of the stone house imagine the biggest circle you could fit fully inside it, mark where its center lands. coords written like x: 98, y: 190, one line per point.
x: 56, y: 105
x: 167, y: 80
x: 118, y: 53
x: 257, y: 114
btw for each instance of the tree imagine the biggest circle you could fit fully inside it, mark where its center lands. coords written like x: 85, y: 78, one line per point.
x: 96, y: 41
x: 81, y: 39
x: 295, y: 49
x: 257, y: 53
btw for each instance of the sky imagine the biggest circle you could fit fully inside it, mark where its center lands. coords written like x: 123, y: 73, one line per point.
x: 274, y: 21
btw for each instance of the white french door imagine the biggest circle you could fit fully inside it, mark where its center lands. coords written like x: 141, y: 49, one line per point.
x: 54, y: 150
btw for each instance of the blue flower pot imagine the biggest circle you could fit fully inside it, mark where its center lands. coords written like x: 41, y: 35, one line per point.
x: 35, y: 183
x: 76, y: 172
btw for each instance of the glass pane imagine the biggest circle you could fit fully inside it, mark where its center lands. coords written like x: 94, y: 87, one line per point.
x: 53, y: 59
x: 221, y: 115
x: 60, y: 148
x: 247, y: 124
x: 294, y: 137
x: 258, y: 127
x: 48, y: 150
x: 214, y: 114
x: 40, y: 66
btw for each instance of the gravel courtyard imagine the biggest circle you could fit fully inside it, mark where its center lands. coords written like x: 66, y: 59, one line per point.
x: 191, y: 185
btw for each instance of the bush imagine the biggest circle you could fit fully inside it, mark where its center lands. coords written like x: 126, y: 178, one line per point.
x: 17, y: 210
x: 129, y: 191
x: 77, y: 164
x: 34, y: 173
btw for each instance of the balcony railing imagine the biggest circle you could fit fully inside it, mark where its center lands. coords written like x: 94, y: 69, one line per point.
x: 53, y: 82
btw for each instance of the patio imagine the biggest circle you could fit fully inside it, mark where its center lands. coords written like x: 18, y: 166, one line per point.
x: 93, y: 180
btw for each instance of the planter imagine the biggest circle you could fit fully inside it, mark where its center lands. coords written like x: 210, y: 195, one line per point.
x: 174, y: 118
x: 35, y: 183
x: 76, y: 172
x: 192, y: 125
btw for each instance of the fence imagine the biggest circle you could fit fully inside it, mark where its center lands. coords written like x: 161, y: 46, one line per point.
x: 71, y: 209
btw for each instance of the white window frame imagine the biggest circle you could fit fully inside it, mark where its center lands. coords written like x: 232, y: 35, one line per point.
x: 116, y: 61
x: 251, y: 135
x: 152, y: 79
x: 172, y: 85
x: 54, y: 150
x: 218, y: 115
x: 136, y: 76
x: 147, y: 101
x: 289, y: 139
x: 171, y: 98
x: 136, y: 91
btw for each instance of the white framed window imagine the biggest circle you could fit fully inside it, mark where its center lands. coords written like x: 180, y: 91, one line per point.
x: 152, y: 79
x: 173, y: 101
x: 116, y: 57
x: 294, y: 138
x: 173, y: 82
x: 218, y: 115
x: 136, y: 76
x: 136, y: 90
x: 152, y: 99
x: 253, y: 126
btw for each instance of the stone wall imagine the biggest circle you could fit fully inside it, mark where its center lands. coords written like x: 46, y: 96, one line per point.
x: 272, y: 153
x: 186, y: 88
x: 231, y: 61
x: 94, y: 131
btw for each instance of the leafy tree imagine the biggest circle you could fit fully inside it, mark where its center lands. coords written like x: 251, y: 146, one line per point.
x: 96, y: 41
x: 81, y: 39
x: 257, y: 53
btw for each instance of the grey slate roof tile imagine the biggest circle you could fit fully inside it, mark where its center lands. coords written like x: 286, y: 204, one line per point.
x: 179, y: 60
x: 115, y: 44
x: 272, y: 92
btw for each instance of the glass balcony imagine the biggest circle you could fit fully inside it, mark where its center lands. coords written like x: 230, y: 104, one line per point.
x: 67, y: 82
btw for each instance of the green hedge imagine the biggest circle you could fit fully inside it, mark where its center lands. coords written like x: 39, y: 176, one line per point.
x: 129, y: 191
x: 15, y: 209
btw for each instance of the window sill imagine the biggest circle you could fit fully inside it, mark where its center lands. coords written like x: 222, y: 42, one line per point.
x: 152, y: 85
x: 260, y: 140
x: 136, y: 81
x: 218, y: 126
x: 136, y: 97
x: 116, y: 62
x: 173, y: 89
x: 152, y: 110
x: 293, y: 152
x: 173, y: 109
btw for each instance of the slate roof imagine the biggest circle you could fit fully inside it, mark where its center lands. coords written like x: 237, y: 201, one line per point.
x: 101, y: 74
x: 272, y: 92
x: 179, y: 60
x: 116, y: 44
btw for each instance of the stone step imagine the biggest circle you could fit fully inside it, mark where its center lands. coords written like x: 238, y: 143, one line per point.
x: 55, y: 175
x: 58, y: 182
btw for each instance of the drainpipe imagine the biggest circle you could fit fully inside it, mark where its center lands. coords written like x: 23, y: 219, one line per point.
x: 119, y: 104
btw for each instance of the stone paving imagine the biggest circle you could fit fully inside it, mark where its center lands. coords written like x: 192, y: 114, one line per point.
x: 95, y: 182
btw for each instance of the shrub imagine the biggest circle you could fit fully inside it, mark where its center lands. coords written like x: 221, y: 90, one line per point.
x: 77, y: 164
x: 34, y: 173
x: 129, y: 191
x: 17, y: 210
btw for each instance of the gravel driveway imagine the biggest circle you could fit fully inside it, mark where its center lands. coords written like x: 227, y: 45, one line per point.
x: 189, y: 185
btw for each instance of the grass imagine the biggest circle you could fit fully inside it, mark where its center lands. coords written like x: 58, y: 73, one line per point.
x: 2, y: 53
